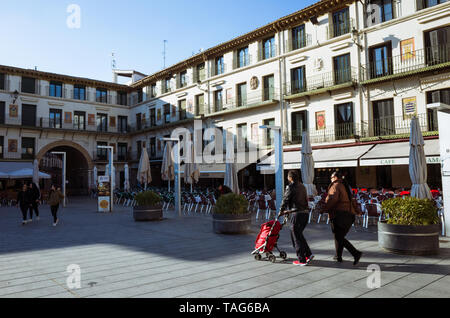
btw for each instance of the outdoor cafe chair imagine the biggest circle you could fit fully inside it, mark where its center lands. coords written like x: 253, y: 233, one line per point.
x: 262, y: 206
x: 372, y: 212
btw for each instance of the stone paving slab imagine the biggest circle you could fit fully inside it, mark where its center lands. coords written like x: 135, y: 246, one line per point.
x: 182, y: 257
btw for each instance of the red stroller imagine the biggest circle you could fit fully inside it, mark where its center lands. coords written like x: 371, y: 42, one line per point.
x: 267, y: 241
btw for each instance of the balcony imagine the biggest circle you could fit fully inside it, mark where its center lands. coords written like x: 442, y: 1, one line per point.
x: 301, y: 42
x: 149, y: 124
x: 251, y: 100
x: 419, y: 61
x: 331, y: 134
x: 321, y: 83
x: 345, y: 27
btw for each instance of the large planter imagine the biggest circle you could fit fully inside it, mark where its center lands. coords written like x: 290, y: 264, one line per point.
x: 232, y: 224
x: 146, y: 214
x: 409, y: 240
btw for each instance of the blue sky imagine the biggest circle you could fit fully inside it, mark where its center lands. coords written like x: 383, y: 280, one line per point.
x: 35, y: 32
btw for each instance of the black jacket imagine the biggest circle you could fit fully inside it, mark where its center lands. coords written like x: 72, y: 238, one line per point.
x: 23, y: 199
x: 295, y: 198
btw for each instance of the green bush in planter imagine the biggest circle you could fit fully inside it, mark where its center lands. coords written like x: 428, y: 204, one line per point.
x: 410, y: 211
x: 231, y: 204
x: 148, y: 199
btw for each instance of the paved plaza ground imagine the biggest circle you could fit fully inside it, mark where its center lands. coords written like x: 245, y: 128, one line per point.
x: 182, y: 257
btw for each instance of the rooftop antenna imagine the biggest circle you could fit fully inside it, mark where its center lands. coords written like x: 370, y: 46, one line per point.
x: 164, y: 54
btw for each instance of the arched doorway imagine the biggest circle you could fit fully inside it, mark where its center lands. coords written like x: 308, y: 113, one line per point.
x: 78, y: 167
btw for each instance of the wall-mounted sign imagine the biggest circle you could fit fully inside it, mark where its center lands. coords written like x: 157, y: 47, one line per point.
x: 12, y: 145
x: 407, y: 49
x: 320, y: 120
x: 409, y: 107
x: 91, y: 119
x: 254, y: 83
x: 13, y: 111
x: 67, y: 117
x: 112, y: 121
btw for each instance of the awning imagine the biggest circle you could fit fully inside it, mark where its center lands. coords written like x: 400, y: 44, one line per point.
x: 19, y: 170
x: 323, y: 158
x: 397, y: 153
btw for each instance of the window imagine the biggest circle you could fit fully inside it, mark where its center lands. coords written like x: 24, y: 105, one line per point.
x: 153, y: 91
x: 298, y: 37
x: 55, y: 89
x: 138, y: 121
x: 378, y: 11
x: 200, y: 105
x: 1, y: 146
x: 268, y: 48
x: 243, y: 58
x: 242, y: 138
x: 167, y: 87
x: 55, y: 118
x: 29, y: 115
x: 242, y: 94
x: 139, y: 149
x: 383, y: 117
x: 102, y: 122
x: 122, y: 152
x: 439, y: 96
x: 201, y: 72
x: 182, y: 108
x: 344, y: 126
x: 298, y: 82
x: 153, y: 147
x: 219, y: 65
x: 140, y: 96
x: 27, y: 148
x: 218, y: 100
x: 2, y: 113
x: 167, y: 113
x: 341, y: 23
x: 28, y: 85
x: 342, y: 70
x: 79, y: 92
x: 437, y: 46
x: 152, y: 117
x: 270, y: 135
x: 422, y: 4
x: 123, y: 124
x: 122, y: 98
x: 380, y: 59
x: 2, y: 81
x: 269, y: 89
x: 79, y: 120
x: 183, y: 79
x: 298, y: 122
x: 101, y: 95
x: 102, y: 153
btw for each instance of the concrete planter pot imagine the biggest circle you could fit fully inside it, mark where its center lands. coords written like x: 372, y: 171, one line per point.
x: 408, y: 239
x: 232, y: 224
x: 146, y: 214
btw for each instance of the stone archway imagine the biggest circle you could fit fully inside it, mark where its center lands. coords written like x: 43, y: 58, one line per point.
x: 79, y: 166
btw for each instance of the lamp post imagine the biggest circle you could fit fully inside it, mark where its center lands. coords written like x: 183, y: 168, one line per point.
x: 279, y: 164
x: 111, y: 165
x: 63, y: 174
x: 177, y: 174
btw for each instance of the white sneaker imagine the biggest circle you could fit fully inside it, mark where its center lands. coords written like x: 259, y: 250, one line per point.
x: 24, y: 222
x: 30, y: 220
x: 54, y: 224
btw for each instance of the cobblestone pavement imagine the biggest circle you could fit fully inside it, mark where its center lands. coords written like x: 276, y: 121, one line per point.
x: 182, y: 257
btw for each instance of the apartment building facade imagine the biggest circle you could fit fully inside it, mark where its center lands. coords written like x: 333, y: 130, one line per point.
x: 351, y: 73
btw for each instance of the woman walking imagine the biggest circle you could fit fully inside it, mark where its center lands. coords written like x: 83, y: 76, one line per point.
x: 54, y: 199
x: 341, y: 209
x: 23, y: 202
x: 35, y: 196
x: 295, y: 201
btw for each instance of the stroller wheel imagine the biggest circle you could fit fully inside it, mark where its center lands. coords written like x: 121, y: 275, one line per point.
x: 272, y: 258
x: 258, y: 257
x: 283, y: 255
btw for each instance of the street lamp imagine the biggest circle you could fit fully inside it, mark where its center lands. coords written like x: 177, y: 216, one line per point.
x: 279, y: 164
x: 63, y: 174
x: 111, y: 165
x: 177, y: 174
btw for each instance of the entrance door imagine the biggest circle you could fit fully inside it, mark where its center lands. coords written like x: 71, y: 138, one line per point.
x: 298, y: 120
x: 383, y: 117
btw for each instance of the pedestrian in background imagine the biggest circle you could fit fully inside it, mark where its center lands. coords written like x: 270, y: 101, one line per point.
x: 54, y: 200
x: 341, y: 208
x: 35, y: 196
x: 23, y: 202
x: 295, y: 201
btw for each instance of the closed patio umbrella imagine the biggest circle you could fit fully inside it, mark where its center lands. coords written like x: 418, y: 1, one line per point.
x: 36, y: 172
x: 126, y: 184
x: 144, y: 173
x: 308, y: 166
x: 231, y: 178
x: 167, y: 168
x: 191, y: 171
x: 418, y: 163
x: 95, y: 172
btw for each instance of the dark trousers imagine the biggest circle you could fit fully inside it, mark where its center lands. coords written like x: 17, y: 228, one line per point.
x: 341, y: 225
x: 24, y: 209
x: 54, y: 209
x: 34, y: 206
x: 299, y: 222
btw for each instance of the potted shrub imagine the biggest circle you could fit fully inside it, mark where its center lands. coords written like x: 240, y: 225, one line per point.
x: 148, y: 207
x: 412, y: 226
x: 231, y: 216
